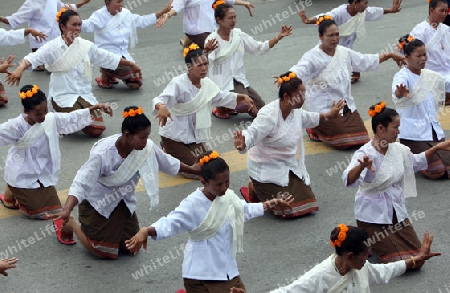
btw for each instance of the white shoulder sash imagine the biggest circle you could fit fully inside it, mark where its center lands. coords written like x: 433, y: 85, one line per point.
x: 201, y: 105
x: 428, y: 82
x: 356, y: 24
x: 76, y: 53
x: 228, y: 206
x: 227, y: 52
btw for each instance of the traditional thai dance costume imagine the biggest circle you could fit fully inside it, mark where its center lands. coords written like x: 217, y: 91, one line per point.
x: 70, y: 82
x: 352, y: 28
x: 325, y: 277
x: 33, y: 162
x: 115, y: 33
x: 272, y: 144
x: 437, y: 42
x: 40, y: 15
x: 216, y: 230
x: 198, y: 19
x: 185, y: 135
x: 419, y: 124
x: 226, y: 63
x: 380, y: 200
x: 327, y: 79
x: 105, y: 189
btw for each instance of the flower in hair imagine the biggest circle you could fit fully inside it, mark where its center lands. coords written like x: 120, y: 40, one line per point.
x: 286, y: 78
x: 217, y: 3
x: 323, y: 18
x: 29, y: 93
x: 191, y: 47
x: 342, y: 235
x: 374, y: 110
x: 404, y: 41
x: 132, y: 112
x: 213, y: 155
x: 59, y: 13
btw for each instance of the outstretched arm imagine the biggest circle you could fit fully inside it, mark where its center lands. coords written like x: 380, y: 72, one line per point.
x: 305, y: 19
x: 84, y: 2
x: 286, y: 30
x: 247, y: 5
x: 395, y: 7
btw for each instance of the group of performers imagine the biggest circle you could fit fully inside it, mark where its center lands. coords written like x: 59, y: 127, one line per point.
x: 213, y: 216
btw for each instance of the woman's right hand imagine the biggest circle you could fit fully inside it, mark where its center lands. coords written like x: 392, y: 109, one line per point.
x: 239, y: 140
x: 425, y: 250
x: 401, y: 91
x: 163, y: 115
x: 14, y: 77
x: 366, y: 163
x: 303, y: 16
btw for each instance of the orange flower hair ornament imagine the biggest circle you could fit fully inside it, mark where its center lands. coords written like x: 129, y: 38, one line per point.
x: 213, y: 155
x: 192, y: 47
x: 132, y: 112
x: 286, y: 78
x: 29, y: 93
x: 322, y: 18
x: 374, y: 110
x: 59, y: 13
x: 217, y: 3
x: 403, y: 41
x: 341, y: 236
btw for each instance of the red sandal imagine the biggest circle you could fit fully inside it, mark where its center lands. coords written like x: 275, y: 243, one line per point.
x: 63, y: 238
x: 103, y: 85
x: 8, y: 203
x: 220, y: 114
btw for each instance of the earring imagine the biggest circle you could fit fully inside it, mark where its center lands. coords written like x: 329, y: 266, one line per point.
x: 287, y: 102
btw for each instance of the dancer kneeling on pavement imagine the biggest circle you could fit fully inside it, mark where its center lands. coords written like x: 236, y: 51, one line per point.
x: 273, y: 140
x: 418, y: 93
x: 383, y: 169
x: 33, y: 162
x: 104, y: 187
x: 187, y: 101
x: 69, y: 59
x: 348, y: 270
x: 214, y: 218
x: 227, y: 59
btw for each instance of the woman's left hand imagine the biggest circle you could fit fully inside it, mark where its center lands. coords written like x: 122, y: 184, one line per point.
x: 249, y: 7
x: 210, y: 46
x: 137, y: 241
x: 399, y: 59
x: 396, y: 6
x: 286, y: 30
x: 336, y: 108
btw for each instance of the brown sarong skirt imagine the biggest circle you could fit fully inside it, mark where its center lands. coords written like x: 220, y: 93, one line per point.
x: 186, y: 153
x: 344, y: 131
x: 392, y: 242
x: 249, y: 91
x: 35, y: 203
x: 439, y: 164
x: 107, y: 236
x: 304, y: 199
x: 198, y: 286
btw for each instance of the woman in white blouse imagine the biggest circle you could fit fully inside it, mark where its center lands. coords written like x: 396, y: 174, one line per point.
x: 214, y: 217
x: 436, y: 36
x: 348, y: 270
x: 272, y: 142
x: 351, y: 20
x: 69, y: 59
x: 226, y: 61
x: 114, y: 29
x: 418, y: 93
x: 383, y: 170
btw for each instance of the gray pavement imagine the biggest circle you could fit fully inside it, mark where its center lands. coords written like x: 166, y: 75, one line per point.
x: 276, y: 251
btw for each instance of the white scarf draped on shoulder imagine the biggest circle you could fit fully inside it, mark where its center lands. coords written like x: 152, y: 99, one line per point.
x: 77, y: 52
x: 48, y: 128
x: 201, y: 106
x: 142, y: 161
x: 124, y: 16
x: 428, y: 82
x: 356, y: 24
x: 234, y: 44
x: 440, y: 40
x: 229, y: 206
x: 360, y: 278
x: 397, y: 166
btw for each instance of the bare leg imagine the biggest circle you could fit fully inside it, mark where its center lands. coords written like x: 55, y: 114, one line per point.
x: 72, y: 226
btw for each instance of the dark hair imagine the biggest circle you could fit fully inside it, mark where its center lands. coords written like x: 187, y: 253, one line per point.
x: 409, y: 46
x: 288, y: 87
x: 221, y: 10
x: 65, y: 16
x: 434, y: 3
x: 324, y: 25
x: 30, y: 103
x: 190, y: 57
x: 355, y: 240
x: 213, y: 167
x: 384, y: 117
x: 135, y: 124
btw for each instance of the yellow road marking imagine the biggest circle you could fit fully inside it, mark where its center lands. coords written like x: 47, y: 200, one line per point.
x: 236, y: 161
